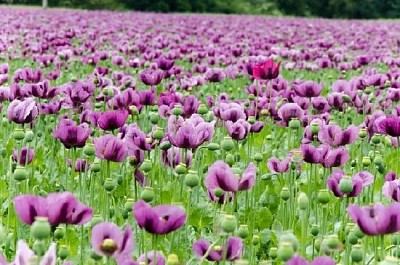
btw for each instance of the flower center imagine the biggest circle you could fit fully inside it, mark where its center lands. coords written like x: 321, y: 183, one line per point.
x: 108, y: 246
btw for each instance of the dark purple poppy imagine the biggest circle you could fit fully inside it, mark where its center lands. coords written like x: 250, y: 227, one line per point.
x: 239, y: 129
x: 165, y: 64
x: 333, y: 135
x: 308, y: 89
x: 111, y: 120
x: 70, y: 134
x: 336, y: 157
x: 79, y: 92
x: 312, y: 154
x: 390, y: 176
x: 81, y: 165
x: 151, y: 77
x: 233, y: 250
x: 109, y: 147
x: 147, y: 97
x: 161, y: 219
x: 390, y: 125
x: 215, y: 75
x: 23, y: 156
x: 376, y: 219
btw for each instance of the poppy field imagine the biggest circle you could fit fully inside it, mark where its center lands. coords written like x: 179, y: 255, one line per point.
x: 138, y: 138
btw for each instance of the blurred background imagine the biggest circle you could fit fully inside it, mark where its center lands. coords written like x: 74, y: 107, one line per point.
x: 307, y: 8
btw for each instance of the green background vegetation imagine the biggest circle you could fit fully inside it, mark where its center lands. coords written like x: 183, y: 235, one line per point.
x: 310, y: 8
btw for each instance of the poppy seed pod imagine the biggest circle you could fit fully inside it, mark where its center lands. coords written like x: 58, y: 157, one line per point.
x: 229, y: 223
x: 63, y: 252
x: 40, y: 228
x: 147, y: 194
x: 285, y: 251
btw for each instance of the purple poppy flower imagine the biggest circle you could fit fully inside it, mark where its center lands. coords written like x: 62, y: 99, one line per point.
x: 274, y: 165
x: 79, y: 92
x: 24, y: 256
x: 366, y: 177
x: 107, y: 240
x: 336, y: 157
x: 81, y: 165
x: 165, y: 64
x: 70, y: 134
x: 151, y: 77
x: 238, y: 130
x: 111, y: 120
x: 22, y: 112
x: 134, y: 137
x: 290, y: 111
x: 390, y: 125
x: 23, y: 156
x: 59, y: 208
x: 109, y: 147
x: 257, y: 127
x: 215, y: 75
x: 147, y: 97
x: 333, y: 135
x: 390, y: 176
x: 322, y: 260
x: 334, y: 180
x: 173, y: 157
x: 233, y: 250
x: 148, y: 258
x: 161, y: 219
x: 308, y: 89
x: 189, y: 133
x: 268, y: 70
x: 312, y: 154
x: 391, y: 190
x: 376, y: 219
x: 229, y: 111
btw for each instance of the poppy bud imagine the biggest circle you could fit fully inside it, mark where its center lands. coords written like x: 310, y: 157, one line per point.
x: 59, y: 233
x: 285, y: 251
x: 213, y: 146
x: 378, y: 160
x: 289, y: 237
x: 346, y: 185
x: 230, y: 159
x: 154, y: 118
x: 192, y: 179
x: 357, y: 253
x: 165, y: 145
x: 158, y: 133
x: 218, y: 192
x: 19, y: 134
x: 109, y: 184
x: 20, y: 173
x: 255, y: 240
x: 376, y: 139
x: 40, y: 228
x: 181, y: 169
x: 63, y: 252
x: 146, y: 166
x: 108, y: 92
x: 366, y: 161
x: 96, y: 167
x: 294, y: 123
x: 229, y: 223
x: 251, y: 97
x: 264, y: 112
x: 147, y: 194
x: 333, y: 241
x: 39, y: 249
x: 202, y: 110
x: 154, y: 108
x: 285, y: 193
x: 172, y: 259
x: 362, y: 133
x: 303, y: 201
x: 323, y: 196
x: 177, y: 111
x: 346, y: 98
x: 227, y: 144
x: 29, y: 135
x: 129, y: 204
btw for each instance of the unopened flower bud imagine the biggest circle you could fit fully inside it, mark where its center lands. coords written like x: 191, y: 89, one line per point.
x: 213, y: 146
x: 181, y: 169
x: 96, y: 167
x: 20, y: 173
x: 63, y: 252
x: 230, y: 159
x: 314, y: 230
x: 165, y: 145
x: 19, y: 134
x: 352, y: 238
x: 251, y: 119
x: 243, y: 231
x: 147, y: 194
x: 146, y: 166
x: 285, y: 193
x: 202, y: 110
x: 59, y: 233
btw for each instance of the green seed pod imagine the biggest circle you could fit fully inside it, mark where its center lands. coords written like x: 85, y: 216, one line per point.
x: 20, y: 173
x: 352, y: 238
x: 314, y: 128
x: 251, y: 119
x: 314, y: 230
x: 357, y: 253
x: 29, y: 135
x: 362, y: 133
x: 109, y: 184
x: 230, y: 159
x: 255, y: 240
x: 376, y: 139
x: 323, y: 196
x: 134, y: 110
x: 192, y: 179
x: 346, y: 98
x: 318, y: 243
x: 154, y: 118
x: 59, y: 233
x: 96, y: 166
x: 294, y: 123
x: 303, y: 201
x: 285, y: 251
x: 333, y: 241
x: 129, y: 204
x: 98, y: 105
x: 218, y: 192
x: 229, y: 223
x: 39, y: 248
x: 172, y: 259
x: 258, y: 157
x: 125, y: 214
x: 19, y: 134
x: 378, y: 160
x: 202, y: 110
x: 289, y: 237
x: 40, y: 229
x: 346, y: 185
x: 158, y: 134
x: 146, y: 166
x: 181, y: 169
x: 177, y: 110
x: 209, y: 116
x: 213, y: 147
x: 63, y: 252
x: 227, y: 144
x: 251, y: 97
x: 165, y: 146
x: 89, y: 149
x: 285, y: 193
x: 273, y: 253
x: 147, y: 194
x: 243, y: 231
